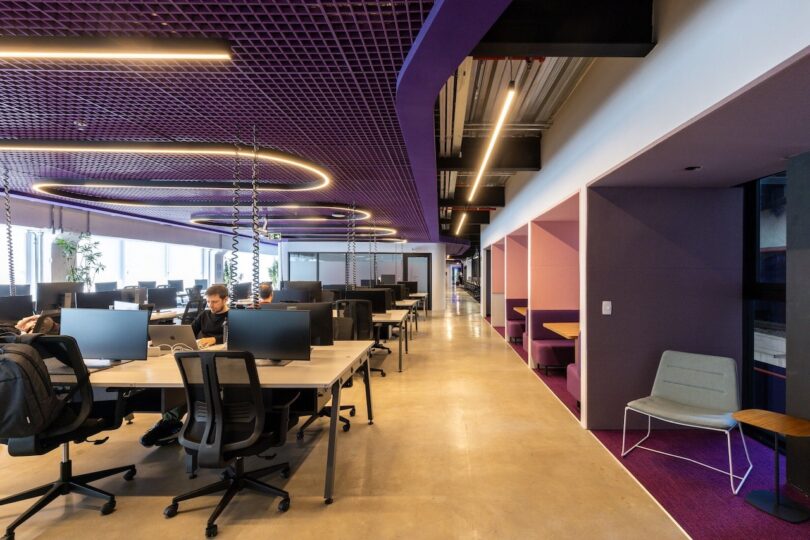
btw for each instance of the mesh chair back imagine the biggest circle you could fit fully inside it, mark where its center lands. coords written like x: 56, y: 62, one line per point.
x: 225, y: 407
x: 360, y: 313
x: 698, y: 380
x: 193, y: 308
x: 343, y: 328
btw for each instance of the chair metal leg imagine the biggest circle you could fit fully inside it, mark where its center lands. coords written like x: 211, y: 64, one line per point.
x: 731, y: 475
x: 261, y: 487
x: 207, y: 490
x: 98, y: 475
x: 44, y: 501
x: 29, y: 494
x: 233, y: 489
x: 624, y: 433
x: 89, y: 491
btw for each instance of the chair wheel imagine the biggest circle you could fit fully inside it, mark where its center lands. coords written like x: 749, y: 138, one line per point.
x: 299, y: 435
x: 285, y: 472
x: 382, y: 374
x: 284, y: 505
x: 130, y: 474
x: 211, y: 531
x: 108, y: 507
x: 170, y: 511
x: 352, y: 412
x: 347, y: 427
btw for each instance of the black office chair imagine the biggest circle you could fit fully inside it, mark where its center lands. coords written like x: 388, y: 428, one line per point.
x: 77, y: 421
x: 194, y: 293
x: 193, y: 308
x: 327, y: 296
x: 365, y: 329
x: 228, y: 420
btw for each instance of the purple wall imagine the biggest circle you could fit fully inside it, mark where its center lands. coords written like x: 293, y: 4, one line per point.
x: 670, y: 260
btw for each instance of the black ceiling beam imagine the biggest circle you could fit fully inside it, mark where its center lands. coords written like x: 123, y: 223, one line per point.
x: 528, y: 28
x: 494, y: 196
x: 512, y: 154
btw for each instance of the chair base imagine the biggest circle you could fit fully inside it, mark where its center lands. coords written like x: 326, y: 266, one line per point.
x: 327, y: 411
x: 768, y: 502
x: 730, y: 472
x: 236, y: 479
x: 67, y: 483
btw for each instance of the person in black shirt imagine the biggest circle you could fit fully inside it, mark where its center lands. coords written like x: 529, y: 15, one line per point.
x: 209, y: 327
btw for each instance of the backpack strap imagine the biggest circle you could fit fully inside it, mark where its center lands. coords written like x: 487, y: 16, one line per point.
x: 27, y: 339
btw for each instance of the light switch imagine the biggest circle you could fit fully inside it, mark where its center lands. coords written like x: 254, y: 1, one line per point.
x: 607, y: 307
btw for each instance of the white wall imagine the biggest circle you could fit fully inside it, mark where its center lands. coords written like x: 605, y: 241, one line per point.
x: 437, y: 252
x: 708, y: 51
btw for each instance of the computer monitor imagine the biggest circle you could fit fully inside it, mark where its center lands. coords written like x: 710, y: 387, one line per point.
x: 136, y: 295
x: 388, y: 279
x: 97, y: 300
x: 241, y: 291
x: 19, y: 290
x: 162, y: 298
x: 106, y: 336
x: 14, y: 308
x: 314, y: 288
x: 277, y: 335
x: 147, y: 284
x: 106, y: 286
x: 320, y: 319
x: 291, y: 295
x: 400, y: 292
x: 176, y: 284
x: 201, y: 283
x: 413, y: 286
x: 377, y: 297
x: 52, y: 295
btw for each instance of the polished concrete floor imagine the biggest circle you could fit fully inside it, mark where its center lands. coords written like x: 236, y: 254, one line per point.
x: 467, y: 443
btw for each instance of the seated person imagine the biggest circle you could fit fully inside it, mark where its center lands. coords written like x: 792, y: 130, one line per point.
x: 266, y: 293
x: 209, y: 329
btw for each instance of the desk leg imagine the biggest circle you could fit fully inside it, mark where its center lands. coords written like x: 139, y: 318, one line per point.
x: 416, y: 317
x: 400, y: 346
x: 331, y: 451
x: 367, y: 383
x: 407, y: 335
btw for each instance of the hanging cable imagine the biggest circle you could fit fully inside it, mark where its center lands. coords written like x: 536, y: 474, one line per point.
x: 348, y: 254
x: 234, y: 230
x: 353, y: 244
x: 374, y: 249
x: 254, y: 218
x: 12, y: 288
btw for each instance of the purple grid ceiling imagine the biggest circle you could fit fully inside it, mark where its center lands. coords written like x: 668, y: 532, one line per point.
x: 317, y: 78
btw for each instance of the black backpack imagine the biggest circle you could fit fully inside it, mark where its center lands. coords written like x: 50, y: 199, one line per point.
x: 28, y: 403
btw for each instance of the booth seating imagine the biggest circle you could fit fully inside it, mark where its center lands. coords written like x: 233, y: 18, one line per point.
x: 573, y: 377
x: 548, y: 349
x: 515, y: 322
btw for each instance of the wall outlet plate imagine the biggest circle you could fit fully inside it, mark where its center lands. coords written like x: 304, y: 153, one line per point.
x: 607, y: 307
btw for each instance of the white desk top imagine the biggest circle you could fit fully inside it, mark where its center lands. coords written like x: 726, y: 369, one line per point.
x: 418, y: 295
x: 164, y: 315
x: 392, y: 316
x: 407, y: 303
x: 326, y: 365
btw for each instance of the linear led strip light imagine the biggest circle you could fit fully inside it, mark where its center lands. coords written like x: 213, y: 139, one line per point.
x: 101, y: 48
x: 507, y: 104
x: 461, y: 223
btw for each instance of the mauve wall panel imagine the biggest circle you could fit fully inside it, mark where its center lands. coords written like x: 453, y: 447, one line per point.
x: 517, y: 267
x: 670, y: 260
x: 498, y: 269
x: 555, y: 265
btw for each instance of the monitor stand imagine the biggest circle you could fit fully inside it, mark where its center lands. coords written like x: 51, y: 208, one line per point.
x: 267, y: 362
x: 101, y: 362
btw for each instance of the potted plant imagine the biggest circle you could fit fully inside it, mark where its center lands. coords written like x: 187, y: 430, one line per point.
x: 82, y: 259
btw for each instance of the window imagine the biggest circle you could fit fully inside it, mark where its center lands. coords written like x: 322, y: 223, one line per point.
x: 765, y: 360
x: 303, y: 267
x: 20, y: 244
x: 332, y: 268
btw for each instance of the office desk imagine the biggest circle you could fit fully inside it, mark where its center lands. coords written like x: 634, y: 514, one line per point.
x: 160, y: 316
x: 395, y: 317
x: 412, y: 304
x: 422, y: 297
x: 329, y: 368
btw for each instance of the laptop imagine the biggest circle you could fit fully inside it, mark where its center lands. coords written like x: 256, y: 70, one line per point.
x: 173, y: 334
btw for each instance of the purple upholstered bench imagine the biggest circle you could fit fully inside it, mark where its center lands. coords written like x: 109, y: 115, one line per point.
x: 572, y: 379
x: 548, y: 349
x: 515, y: 322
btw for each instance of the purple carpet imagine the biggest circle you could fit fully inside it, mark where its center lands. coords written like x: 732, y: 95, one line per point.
x: 555, y: 380
x: 501, y: 330
x: 699, y: 499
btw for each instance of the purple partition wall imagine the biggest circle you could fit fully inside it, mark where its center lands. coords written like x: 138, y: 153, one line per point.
x: 670, y: 261
x: 517, y: 269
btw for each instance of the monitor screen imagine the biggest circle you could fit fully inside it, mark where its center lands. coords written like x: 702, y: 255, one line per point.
x: 201, y: 283
x: 314, y: 288
x: 135, y: 295
x: 320, y: 319
x: 97, y: 300
x: 176, y: 284
x: 52, y: 295
x: 378, y: 298
x: 106, y: 286
x: 291, y: 295
x: 147, y: 284
x: 19, y: 290
x: 241, y: 291
x: 412, y: 286
x: 107, y: 335
x: 14, y: 308
x: 162, y: 298
x: 270, y: 333
x: 388, y: 279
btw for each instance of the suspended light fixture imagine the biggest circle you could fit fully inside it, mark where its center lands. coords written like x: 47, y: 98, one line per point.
x: 461, y: 223
x: 100, y: 49
x: 496, y: 132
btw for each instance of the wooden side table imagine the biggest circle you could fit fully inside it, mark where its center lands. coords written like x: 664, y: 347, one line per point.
x: 779, y: 424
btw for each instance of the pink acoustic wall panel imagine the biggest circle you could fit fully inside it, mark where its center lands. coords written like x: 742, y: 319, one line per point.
x: 517, y: 266
x: 498, y: 268
x: 554, y: 259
